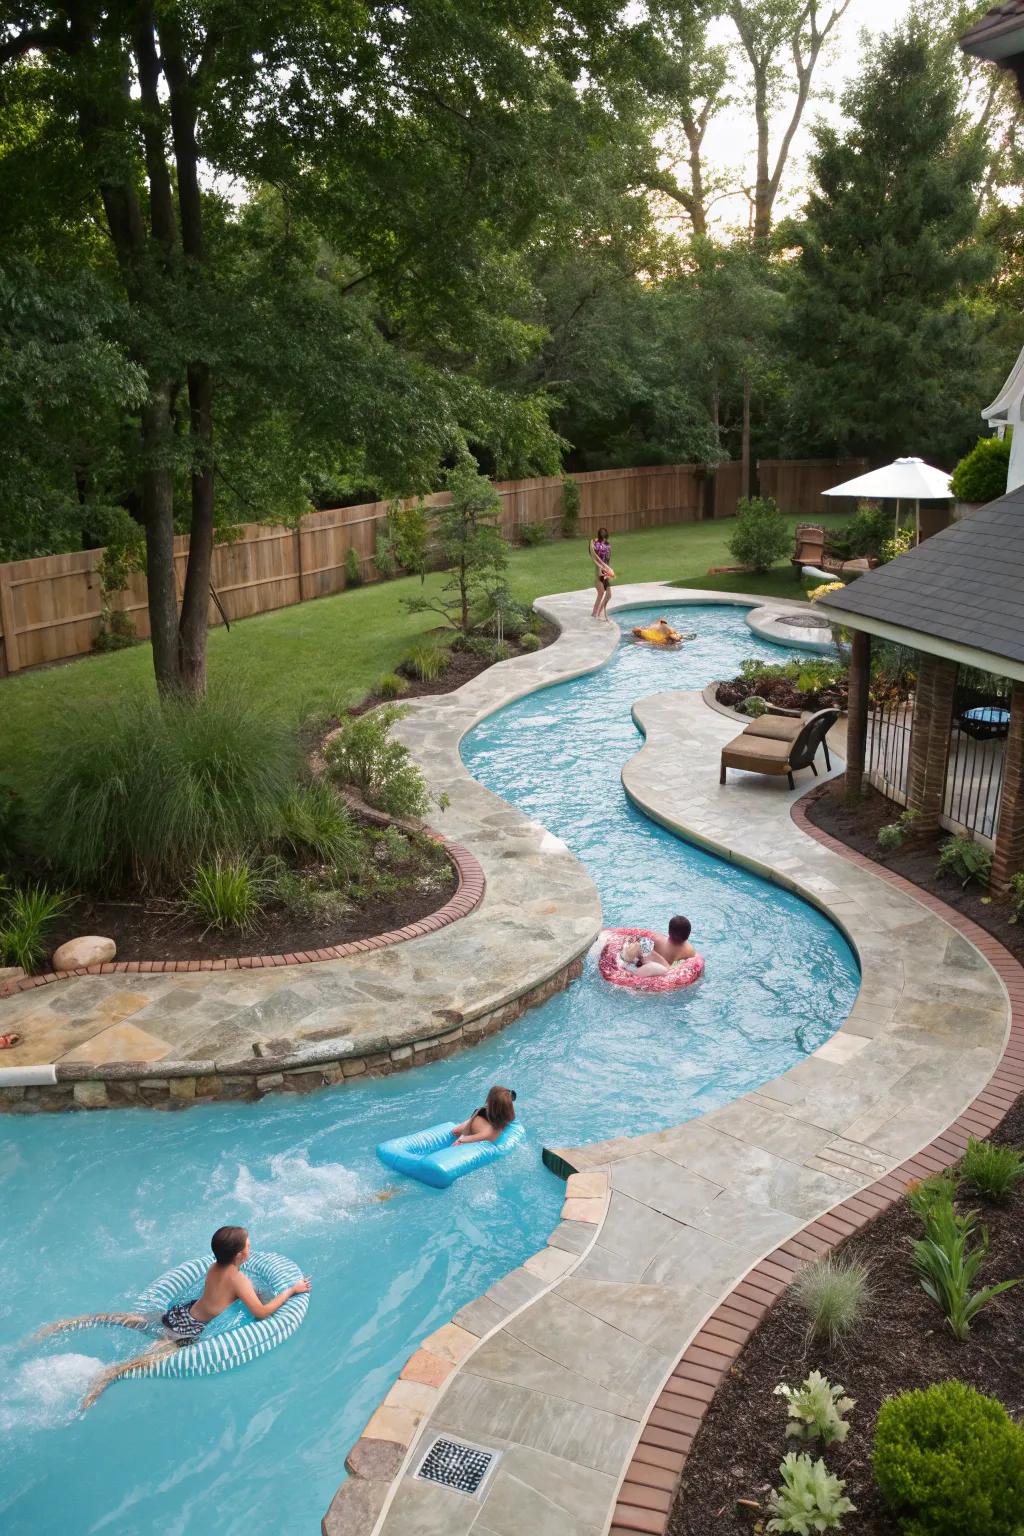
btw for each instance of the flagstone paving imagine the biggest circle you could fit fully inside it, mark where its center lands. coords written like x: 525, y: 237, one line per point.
x: 563, y: 1385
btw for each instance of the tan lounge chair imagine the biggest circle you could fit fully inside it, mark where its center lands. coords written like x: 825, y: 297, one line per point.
x: 780, y: 744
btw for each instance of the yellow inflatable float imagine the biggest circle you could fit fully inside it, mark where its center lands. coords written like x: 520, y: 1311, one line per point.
x: 661, y: 633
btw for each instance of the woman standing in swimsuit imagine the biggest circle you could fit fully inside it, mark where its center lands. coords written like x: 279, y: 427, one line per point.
x: 601, y: 554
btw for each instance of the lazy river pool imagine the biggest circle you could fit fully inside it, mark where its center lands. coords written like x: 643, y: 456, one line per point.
x: 96, y: 1206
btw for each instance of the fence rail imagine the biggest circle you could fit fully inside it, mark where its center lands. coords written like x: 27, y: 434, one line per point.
x: 50, y: 608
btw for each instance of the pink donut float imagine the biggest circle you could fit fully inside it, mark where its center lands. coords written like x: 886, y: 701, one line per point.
x: 683, y: 974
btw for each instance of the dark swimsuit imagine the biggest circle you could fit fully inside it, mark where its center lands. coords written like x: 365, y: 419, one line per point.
x: 180, y: 1321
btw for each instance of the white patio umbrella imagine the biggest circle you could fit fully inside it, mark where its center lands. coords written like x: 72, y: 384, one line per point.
x: 903, y: 480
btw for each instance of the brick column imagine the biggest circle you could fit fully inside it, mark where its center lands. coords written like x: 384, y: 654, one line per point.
x: 1008, y: 858
x: 929, y: 741
x: 857, y: 713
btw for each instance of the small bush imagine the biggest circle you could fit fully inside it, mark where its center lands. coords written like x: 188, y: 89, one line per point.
x: 392, y: 686
x: 530, y: 642
x: 384, y: 557
x: 309, y: 898
x: 353, y: 570
x: 981, y: 474
x: 761, y: 536
x: 532, y: 534
x: 833, y: 1293
x: 225, y: 894
x: 570, y: 508
x: 25, y: 915
x: 891, y: 836
x: 486, y: 649
x: 315, y: 822
x: 994, y: 1171
x: 755, y: 706
x: 427, y: 661
x: 868, y: 529
x: 1016, y: 884
x: 362, y: 754
x: 149, y: 789
x: 816, y: 1410
x: 967, y: 860
x: 950, y: 1462
x: 117, y: 632
x: 810, y: 1499
x: 898, y: 545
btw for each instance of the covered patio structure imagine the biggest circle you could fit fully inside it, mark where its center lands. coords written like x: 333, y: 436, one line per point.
x: 958, y: 601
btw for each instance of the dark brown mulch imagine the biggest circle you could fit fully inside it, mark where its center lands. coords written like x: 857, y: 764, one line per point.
x: 781, y: 692
x: 462, y: 667
x: 902, y: 1344
x: 157, y: 928
x: 857, y: 826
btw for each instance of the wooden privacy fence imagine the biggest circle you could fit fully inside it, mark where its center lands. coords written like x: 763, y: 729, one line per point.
x: 50, y: 608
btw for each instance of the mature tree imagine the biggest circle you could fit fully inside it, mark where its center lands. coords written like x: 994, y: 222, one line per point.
x: 409, y: 148
x: 885, y: 332
x: 689, y: 79
x: 782, y: 41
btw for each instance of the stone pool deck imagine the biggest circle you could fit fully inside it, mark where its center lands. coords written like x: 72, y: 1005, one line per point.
x: 567, y: 1367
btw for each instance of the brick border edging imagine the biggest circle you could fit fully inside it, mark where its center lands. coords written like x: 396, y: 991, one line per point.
x: 647, y: 1493
x: 469, y: 892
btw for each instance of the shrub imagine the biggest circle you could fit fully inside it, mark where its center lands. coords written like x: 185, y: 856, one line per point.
x: 994, y: 1171
x: 25, y: 915
x: 116, y: 633
x: 967, y: 860
x: 868, y: 529
x: 755, y: 706
x: 816, y: 1410
x: 761, y: 536
x: 392, y: 686
x: 486, y: 649
x: 1016, y: 882
x: 409, y: 537
x: 151, y: 789
x: 891, y: 836
x: 308, y: 898
x: 532, y: 534
x: 950, y: 1462
x: 810, y: 1499
x: 833, y: 1293
x: 353, y: 570
x: 825, y: 588
x: 384, y: 556
x: 225, y: 894
x: 530, y: 642
x: 364, y: 755
x: 314, y: 821
x: 428, y: 661
x: 897, y: 545
x: 570, y: 507
x: 981, y: 474
x: 947, y: 1265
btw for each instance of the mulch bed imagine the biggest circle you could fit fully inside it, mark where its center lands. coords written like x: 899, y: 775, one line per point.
x: 781, y: 692
x: 158, y: 928
x: 902, y: 1344
x: 857, y: 826
x: 462, y: 667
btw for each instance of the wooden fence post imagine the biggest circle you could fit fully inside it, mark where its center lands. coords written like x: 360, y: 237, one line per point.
x: 7, y: 622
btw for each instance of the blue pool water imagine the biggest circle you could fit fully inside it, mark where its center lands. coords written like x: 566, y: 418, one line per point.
x: 95, y: 1206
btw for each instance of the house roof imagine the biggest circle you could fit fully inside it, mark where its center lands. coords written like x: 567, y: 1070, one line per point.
x: 999, y: 34
x: 964, y: 586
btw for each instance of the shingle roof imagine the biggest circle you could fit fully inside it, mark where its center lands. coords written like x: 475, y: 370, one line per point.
x: 994, y: 25
x: 964, y: 585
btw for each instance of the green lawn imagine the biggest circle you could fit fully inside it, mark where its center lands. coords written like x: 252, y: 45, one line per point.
x: 319, y: 657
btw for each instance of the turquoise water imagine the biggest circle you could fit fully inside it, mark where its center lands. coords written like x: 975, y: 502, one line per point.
x: 95, y: 1206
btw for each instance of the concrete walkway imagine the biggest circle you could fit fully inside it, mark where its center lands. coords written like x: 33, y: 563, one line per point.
x: 577, y: 1346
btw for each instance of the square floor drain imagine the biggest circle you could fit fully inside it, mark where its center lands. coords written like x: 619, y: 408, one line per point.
x: 456, y: 1464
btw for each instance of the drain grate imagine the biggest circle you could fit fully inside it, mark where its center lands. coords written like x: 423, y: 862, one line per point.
x: 456, y: 1464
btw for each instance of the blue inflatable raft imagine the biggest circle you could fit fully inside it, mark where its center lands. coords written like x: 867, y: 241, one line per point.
x: 432, y: 1157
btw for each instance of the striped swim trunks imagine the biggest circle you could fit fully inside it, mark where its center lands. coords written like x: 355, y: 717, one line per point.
x: 179, y: 1321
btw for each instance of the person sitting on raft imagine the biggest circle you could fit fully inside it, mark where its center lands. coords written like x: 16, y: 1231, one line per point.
x: 662, y: 631
x: 654, y: 957
x: 488, y: 1122
x: 224, y: 1285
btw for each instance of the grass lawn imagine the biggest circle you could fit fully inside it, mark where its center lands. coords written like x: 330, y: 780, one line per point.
x: 319, y: 657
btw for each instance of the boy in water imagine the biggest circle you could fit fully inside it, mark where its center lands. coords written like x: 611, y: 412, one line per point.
x: 657, y: 956
x: 224, y: 1285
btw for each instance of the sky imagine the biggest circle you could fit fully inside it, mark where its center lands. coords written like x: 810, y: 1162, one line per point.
x: 730, y: 139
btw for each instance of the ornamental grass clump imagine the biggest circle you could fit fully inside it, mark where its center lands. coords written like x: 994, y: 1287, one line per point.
x: 316, y: 824
x: 833, y: 1294
x: 25, y: 915
x: 428, y: 661
x: 815, y: 1409
x: 146, y: 791
x: 950, y: 1462
x: 226, y: 894
x: 949, y: 1258
x: 994, y: 1171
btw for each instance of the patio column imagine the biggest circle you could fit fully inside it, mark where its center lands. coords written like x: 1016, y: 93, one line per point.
x: 1008, y: 858
x: 929, y: 740
x: 857, y: 713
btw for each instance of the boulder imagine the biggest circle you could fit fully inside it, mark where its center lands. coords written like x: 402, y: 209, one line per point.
x: 90, y: 949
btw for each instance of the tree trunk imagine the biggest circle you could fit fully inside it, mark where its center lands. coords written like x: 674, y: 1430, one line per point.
x: 745, y: 442
x: 158, y: 519
x: 195, y: 605
x: 698, y: 211
x: 762, y: 185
